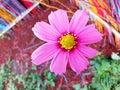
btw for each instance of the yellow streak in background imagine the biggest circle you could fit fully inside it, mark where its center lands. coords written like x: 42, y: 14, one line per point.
x: 100, y: 20
x: 114, y: 28
x: 20, y: 17
x: 53, y: 7
x: 6, y: 15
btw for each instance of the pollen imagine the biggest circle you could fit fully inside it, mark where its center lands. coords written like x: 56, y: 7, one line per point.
x: 68, y: 41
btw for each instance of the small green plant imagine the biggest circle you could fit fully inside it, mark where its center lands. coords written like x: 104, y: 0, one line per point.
x: 5, y: 72
x: 77, y: 87
x: 107, y: 76
x: 30, y: 80
x: 49, y: 77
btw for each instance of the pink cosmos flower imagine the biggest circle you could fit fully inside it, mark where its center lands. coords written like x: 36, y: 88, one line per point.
x: 65, y: 42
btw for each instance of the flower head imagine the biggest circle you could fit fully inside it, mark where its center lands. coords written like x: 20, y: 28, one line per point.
x: 65, y: 41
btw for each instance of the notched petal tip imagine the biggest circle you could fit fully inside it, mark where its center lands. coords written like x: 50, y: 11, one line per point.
x: 87, y: 51
x: 78, y: 21
x: 45, y: 31
x: 44, y: 53
x: 57, y: 73
x: 59, y: 20
x: 59, y: 62
x: 35, y: 62
x: 78, y: 62
x: 36, y: 24
x: 89, y: 34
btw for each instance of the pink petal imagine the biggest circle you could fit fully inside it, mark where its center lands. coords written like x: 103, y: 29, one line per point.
x: 59, y: 20
x: 77, y: 61
x: 87, y: 51
x: 78, y: 21
x: 44, y: 53
x: 89, y: 35
x: 59, y: 62
x: 45, y: 32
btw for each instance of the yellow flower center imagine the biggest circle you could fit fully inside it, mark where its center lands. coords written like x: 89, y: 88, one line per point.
x: 68, y: 41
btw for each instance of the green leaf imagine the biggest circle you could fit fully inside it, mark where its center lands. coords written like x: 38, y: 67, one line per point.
x: 117, y: 87
x: 76, y: 86
x: 34, y: 67
x: 114, y: 56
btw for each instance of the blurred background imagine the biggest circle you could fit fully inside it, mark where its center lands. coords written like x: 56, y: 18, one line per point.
x: 17, y: 41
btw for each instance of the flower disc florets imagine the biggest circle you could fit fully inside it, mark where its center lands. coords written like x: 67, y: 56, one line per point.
x: 68, y: 41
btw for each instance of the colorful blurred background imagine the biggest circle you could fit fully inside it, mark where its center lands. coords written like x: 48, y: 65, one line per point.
x: 17, y: 41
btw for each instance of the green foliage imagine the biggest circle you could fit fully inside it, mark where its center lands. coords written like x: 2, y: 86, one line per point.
x: 50, y: 77
x: 11, y: 85
x: 5, y: 72
x: 30, y: 80
x: 114, y: 56
x: 77, y: 87
x: 107, y: 75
